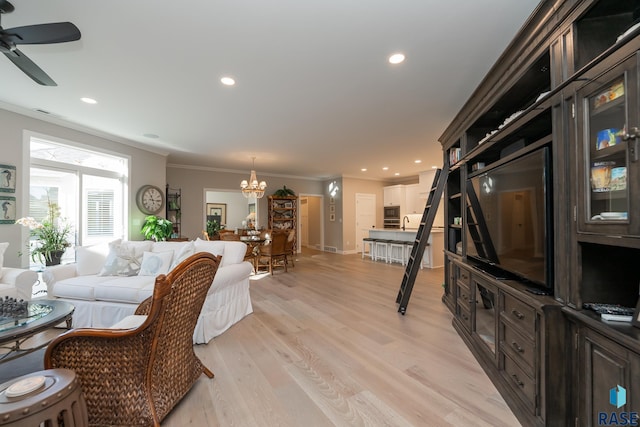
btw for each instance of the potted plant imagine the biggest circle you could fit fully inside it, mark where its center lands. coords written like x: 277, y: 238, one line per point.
x: 51, y: 235
x: 156, y: 228
x: 284, y: 192
x: 213, y: 230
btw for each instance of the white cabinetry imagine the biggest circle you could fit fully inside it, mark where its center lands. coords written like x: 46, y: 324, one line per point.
x: 413, y: 203
x: 394, y: 195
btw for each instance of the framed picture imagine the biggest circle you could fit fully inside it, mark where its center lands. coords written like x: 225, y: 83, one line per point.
x: 217, y: 212
x: 7, y: 179
x: 332, y: 200
x: 636, y: 315
x: 332, y: 209
x: 252, y: 208
x: 288, y: 205
x: 332, y: 217
x: 7, y: 210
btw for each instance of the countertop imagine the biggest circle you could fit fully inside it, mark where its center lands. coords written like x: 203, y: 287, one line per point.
x: 407, y: 230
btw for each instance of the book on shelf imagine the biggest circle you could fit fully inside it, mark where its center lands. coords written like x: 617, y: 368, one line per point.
x: 454, y: 155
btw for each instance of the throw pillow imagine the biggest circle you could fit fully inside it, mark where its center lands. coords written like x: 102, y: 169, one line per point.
x: 185, y: 252
x: 215, y: 247
x: 124, y: 258
x: 90, y: 259
x: 155, y: 263
x: 3, y: 247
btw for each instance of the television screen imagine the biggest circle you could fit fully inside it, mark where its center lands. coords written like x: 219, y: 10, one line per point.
x: 509, y: 217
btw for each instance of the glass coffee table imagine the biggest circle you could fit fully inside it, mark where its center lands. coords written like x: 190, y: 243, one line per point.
x: 19, y: 325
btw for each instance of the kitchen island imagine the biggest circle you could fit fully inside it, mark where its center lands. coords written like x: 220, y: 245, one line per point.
x: 433, y: 253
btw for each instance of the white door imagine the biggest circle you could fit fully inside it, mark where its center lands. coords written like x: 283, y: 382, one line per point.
x: 365, y: 217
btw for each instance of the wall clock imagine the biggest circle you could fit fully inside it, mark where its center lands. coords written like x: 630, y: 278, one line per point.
x: 150, y: 199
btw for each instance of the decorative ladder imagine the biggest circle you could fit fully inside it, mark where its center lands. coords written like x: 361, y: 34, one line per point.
x: 477, y: 226
x: 422, y: 236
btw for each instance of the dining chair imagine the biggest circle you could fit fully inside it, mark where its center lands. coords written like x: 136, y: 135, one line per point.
x: 274, y: 250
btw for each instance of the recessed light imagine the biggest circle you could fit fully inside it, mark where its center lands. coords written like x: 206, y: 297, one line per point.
x: 397, y: 174
x: 396, y: 58
x: 434, y: 167
x: 386, y: 168
x: 227, y: 81
x: 89, y: 100
x: 363, y: 169
x: 417, y: 161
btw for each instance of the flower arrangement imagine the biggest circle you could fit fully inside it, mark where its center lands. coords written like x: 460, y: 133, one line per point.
x: 52, y: 235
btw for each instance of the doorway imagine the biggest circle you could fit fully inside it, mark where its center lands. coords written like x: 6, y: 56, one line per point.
x: 311, y: 222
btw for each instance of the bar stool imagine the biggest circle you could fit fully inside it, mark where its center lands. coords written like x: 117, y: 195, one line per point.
x: 372, y: 244
x: 381, y: 250
x: 52, y: 397
x: 396, y: 251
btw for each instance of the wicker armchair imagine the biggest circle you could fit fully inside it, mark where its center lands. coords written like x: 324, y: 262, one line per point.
x: 136, y: 376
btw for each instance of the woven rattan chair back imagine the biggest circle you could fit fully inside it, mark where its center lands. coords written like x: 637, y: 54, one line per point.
x: 136, y: 376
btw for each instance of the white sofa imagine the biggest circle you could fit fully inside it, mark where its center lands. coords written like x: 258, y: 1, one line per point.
x: 102, y: 300
x: 15, y: 282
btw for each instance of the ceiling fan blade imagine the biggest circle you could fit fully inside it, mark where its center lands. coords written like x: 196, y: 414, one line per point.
x: 30, y: 68
x: 6, y: 7
x: 57, y: 32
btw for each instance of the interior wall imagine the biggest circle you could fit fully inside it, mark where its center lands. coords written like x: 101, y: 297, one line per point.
x: 146, y: 167
x: 193, y: 182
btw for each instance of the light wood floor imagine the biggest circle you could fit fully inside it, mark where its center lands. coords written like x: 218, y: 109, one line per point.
x: 325, y: 346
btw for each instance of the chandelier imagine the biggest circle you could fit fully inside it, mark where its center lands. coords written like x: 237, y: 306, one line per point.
x: 253, y: 188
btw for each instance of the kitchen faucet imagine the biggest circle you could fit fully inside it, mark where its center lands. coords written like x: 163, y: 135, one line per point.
x: 407, y: 218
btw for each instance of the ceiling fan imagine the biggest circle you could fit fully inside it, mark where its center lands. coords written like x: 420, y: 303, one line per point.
x: 59, y: 32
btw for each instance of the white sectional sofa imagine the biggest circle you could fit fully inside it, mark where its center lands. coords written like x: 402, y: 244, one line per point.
x: 102, y: 298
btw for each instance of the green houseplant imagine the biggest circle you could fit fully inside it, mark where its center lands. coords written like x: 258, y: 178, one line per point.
x: 213, y: 229
x: 51, y: 235
x: 284, y: 192
x: 156, y: 228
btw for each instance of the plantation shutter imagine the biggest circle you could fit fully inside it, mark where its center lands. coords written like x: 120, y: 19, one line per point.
x: 100, y: 215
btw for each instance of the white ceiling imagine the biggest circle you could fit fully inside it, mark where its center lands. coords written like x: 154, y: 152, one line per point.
x: 314, y: 97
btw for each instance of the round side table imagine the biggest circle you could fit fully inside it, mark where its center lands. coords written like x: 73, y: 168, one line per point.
x: 57, y: 401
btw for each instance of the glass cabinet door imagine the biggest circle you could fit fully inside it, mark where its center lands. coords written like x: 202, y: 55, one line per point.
x: 609, y: 110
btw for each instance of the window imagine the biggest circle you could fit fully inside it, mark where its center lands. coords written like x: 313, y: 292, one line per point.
x: 88, y: 186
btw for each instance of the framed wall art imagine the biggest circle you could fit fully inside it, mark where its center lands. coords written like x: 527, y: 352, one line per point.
x: 217, y: 212
x: 7, y: 179
x: 7, y: 209
x: 332, y: 217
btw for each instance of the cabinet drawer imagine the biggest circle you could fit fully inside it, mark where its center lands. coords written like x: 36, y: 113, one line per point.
x: 522, y: 315
x: 464, y: 296
x: 525, y: 387
x: 464, y: 276
x: 519, y: 347
x: 464, y: 314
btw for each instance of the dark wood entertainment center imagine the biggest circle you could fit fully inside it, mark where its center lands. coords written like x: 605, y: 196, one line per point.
x: 569, y: 81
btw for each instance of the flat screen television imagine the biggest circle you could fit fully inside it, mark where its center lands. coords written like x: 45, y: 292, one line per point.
x: 509, y: 219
